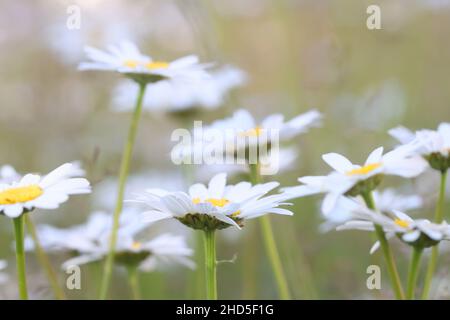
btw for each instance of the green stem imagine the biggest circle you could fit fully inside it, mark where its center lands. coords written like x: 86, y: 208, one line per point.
x: 210, y: 264
x: 133, y: 282
x: 439, y: 216
x: 44, y: 260
x: 269, y: 242
x: 124, y: 169
x: 20, y: 257
x: 388, y: 256
x: 413, y: 272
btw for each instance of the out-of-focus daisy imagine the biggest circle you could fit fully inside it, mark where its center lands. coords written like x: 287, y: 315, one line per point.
x: 277, y: 161
x: 433, y: 145
x: 176, y: 96
x: 126, y: 58
x: 212, y: 207
x: 3, y: 276
x: 243, y: 130
x: 415, y: 232
x: 353, y: 180
x: 47, y: 192
x: 90, y: 242
x: 386, y: 201
x: 8, y: 174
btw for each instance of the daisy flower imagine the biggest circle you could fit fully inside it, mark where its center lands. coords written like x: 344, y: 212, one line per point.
x: 126, y: 58
x: 415, y: 232
x: 90, y: 242
x: 47, y: 192
x: 433, y: 145
x: 212, y: 207
x: 242, y: 130
x: 386, y: 201
x: 177, y: 96
x: 353, y: 180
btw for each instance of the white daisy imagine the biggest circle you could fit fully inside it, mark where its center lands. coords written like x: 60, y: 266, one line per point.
x: 277, y: 161
x: 386, y: 201
x: 91, y: 243
x: 126, y: 58
x: 175, y: 96
x: 416, y: 232
x: 216, y: 206
x: 434, y: 145
x: 3, y: 276
x: 47, y: 192
x: 351, y: 179
x: 242, y: 130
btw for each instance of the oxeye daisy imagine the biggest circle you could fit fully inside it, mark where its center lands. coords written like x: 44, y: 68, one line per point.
x: 213, y: 207
x: 353, y: 180
x: 434, y: 146
x: 126, y: 58
x: 175, y: 96
x: 47, y: 192
x: 33, y: 191
x: 242, y: 130
x: 89, y: 243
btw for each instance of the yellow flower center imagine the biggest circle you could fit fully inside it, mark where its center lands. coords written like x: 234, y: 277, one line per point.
x: 401, y: 223
x: 20, y: 194
x: 364, y: 170
x: 255, y: 132
x: 215, y: 202
x: 136, y: 245
x: 130, y: 63
x: 157, y: 65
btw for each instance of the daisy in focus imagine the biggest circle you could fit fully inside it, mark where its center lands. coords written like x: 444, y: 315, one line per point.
x: 179, y: 96
x: 353, y: 180
x: 126, y: 59
x: 213, y: 207
x: 43, y: 192
x: 433, y: 145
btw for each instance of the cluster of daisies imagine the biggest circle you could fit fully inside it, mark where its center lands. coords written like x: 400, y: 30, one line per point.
x: 352, y: 199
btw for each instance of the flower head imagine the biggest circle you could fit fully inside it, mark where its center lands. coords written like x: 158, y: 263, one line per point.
x: 180, y: 96
x: 415, y: 232
x: 353, y: 180
x: 216, y: 206
x: 126, y: 58
x: 90, y: 242
x: 244, y: 130
x: 47, y: 192
x: 433, y: 145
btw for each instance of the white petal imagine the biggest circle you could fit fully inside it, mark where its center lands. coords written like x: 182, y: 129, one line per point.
x: 338, y: 162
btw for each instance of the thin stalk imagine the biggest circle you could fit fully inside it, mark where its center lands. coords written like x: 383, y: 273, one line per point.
x: 269, y: 242
x: 123, y: 175
x: 439, y: 216
x: 44, y: 261
x: 388, y: 256
x: 210, y: 264
x: 133, y: 282
x: 20, y: 257
x: 413, y: 272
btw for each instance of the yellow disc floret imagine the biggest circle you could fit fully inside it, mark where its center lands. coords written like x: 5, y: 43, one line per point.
x: 20, y: 194
x: 364, y: 170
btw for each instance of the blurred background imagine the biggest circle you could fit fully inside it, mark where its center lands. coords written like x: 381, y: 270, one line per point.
x: 296, y: 54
